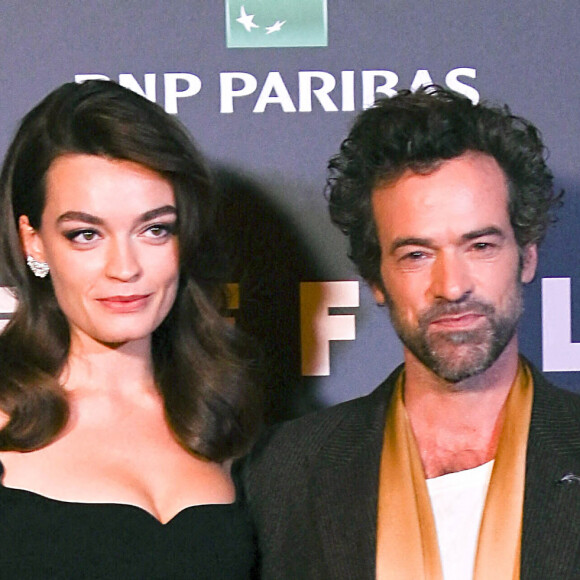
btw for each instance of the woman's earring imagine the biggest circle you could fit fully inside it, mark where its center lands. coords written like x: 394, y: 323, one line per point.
x: 39, y: 269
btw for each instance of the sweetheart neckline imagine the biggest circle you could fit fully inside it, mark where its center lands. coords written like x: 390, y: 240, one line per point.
x: 120, y: 505
x: 112, y: 504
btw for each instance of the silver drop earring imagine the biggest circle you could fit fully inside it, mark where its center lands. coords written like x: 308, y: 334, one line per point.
x: 39, y: 269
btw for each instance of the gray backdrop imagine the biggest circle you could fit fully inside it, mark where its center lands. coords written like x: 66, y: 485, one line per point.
x: 268, y: 130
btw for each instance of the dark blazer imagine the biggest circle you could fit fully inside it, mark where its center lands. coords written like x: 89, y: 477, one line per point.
x: 312, y: 487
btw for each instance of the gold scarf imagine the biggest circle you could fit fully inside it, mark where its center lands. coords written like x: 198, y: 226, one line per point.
x: 407, y: 547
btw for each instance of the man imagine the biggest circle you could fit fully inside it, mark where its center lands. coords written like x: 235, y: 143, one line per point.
x: 465, y: 462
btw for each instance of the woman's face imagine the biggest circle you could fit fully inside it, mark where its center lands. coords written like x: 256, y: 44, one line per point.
x: 108, y: 234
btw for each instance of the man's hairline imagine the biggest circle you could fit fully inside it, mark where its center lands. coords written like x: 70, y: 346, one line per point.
x: 386, y: 181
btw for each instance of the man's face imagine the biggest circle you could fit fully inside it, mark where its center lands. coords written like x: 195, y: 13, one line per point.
x: 450, y: 264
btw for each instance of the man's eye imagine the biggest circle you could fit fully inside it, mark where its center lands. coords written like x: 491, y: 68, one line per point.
x: 483, y: 246
x: 413, y: 256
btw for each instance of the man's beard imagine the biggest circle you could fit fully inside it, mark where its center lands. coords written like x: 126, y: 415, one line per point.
x: 455, y: 355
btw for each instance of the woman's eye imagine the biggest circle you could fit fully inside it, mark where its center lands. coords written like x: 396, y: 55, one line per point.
x: 82, y: 236
x: 159, y: 231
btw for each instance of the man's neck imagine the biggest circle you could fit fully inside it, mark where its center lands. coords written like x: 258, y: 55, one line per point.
x: 457, y: 425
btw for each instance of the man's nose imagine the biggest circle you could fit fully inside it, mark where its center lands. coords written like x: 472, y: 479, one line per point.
x: 451, y: 278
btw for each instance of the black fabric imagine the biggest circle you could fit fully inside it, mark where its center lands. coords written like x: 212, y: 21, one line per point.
x: 312, y: 487
x: 45, y: 538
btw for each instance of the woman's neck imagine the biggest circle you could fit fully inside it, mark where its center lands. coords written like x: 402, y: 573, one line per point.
x: 120, y: 368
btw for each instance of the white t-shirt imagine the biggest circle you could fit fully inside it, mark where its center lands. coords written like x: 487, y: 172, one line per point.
x: 457, y: 500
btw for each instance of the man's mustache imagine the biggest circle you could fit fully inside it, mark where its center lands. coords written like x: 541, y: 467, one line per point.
x: 443, y: 309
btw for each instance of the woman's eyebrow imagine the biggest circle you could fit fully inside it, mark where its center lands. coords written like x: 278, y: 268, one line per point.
x: 158, y: 212
x: 81, y: 216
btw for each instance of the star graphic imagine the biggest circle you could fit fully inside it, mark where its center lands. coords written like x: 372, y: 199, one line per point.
x: 275, y: 27
x: 246, y: 20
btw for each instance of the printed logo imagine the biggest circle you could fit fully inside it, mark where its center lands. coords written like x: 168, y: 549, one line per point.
x: 276, y: 23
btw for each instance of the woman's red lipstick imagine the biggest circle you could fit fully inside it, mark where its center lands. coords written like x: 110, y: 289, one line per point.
x: 125, y: 304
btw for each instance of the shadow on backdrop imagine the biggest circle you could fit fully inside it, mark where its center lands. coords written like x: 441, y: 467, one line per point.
x: 268, y: 259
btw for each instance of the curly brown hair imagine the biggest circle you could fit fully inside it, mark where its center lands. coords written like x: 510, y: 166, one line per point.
x: 417, y: 131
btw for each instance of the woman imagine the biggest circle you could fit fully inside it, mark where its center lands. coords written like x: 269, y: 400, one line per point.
x: 124, y: 393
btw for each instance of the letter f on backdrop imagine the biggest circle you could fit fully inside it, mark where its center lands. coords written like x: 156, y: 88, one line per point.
x: 318, y: 327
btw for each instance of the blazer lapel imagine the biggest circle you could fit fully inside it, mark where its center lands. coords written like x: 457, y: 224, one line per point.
x: 551, y: 524
x: 344, y: 485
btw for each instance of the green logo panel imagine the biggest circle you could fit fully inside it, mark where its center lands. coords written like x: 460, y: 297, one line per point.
x: 276, y: 23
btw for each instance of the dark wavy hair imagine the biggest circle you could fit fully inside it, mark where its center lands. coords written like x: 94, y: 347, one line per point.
x: 202, y: 366
x: 417, y: 131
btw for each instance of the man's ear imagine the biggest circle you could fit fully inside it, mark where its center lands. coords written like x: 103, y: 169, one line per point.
x: 379, y: 294
x: 30, y: 239
x: 529, y: 263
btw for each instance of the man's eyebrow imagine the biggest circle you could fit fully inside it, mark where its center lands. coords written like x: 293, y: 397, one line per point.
x: 489, y: 231
x: 402, y: 242
x: 81, y: 216
x: 428, y: 242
